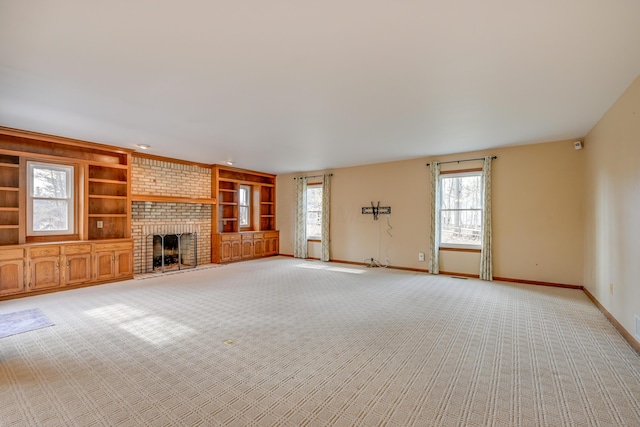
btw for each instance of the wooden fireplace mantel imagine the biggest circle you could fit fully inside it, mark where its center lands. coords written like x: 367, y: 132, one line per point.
x: 173, y: 199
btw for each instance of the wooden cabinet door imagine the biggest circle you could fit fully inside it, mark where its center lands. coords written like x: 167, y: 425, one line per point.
x: 78, y: 269
x: 236, y: 250
x: 11, y: 277
x: 225, y: 251
x: 124, y: 263
x: 258, y: 248
x: 269, y: 246
x: 105, y: 265
x: 45, y: 273
x: 247, y: 249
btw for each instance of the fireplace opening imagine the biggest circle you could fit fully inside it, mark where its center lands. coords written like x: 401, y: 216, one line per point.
x: 174, y: 251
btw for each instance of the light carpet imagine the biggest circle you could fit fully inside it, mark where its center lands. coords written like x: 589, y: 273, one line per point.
x: 285, y: 342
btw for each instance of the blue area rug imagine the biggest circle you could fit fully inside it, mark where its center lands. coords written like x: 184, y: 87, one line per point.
x: 22, y: 321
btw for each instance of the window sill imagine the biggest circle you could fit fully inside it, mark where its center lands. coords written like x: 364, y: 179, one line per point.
x: 452, y: 249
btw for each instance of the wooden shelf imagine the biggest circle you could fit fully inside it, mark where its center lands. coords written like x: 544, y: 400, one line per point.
x: 9, y: 165
x: 98, y: 215
x: 103, y: 196
x: 228, y: 203
x: 9, y: 189
x: 6, y: 227
x: 228, y: 219
x: 226, y: 190
x: 6, y: 209
x: 107, y: 181
x: 173, y: 199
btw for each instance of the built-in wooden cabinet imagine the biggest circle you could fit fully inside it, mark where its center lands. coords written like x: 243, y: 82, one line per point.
x: 231, y: 240
x: 44, y: 267
x: 271, y: 243
x: 54, y: 266
x: 77, y: 263
x: 12, y: 277
x: 102, y: 204
x: 114, y: 260
x: 230, y: 247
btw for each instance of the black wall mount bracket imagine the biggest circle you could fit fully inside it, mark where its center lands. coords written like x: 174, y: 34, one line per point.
x: 376, y: 210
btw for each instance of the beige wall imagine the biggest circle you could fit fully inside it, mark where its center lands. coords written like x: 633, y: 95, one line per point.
x: 612, y: 208
x: 537, y: 215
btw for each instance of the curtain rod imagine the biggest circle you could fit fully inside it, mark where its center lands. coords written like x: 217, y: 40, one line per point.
x: 312, y: 176
x: 467, y: 160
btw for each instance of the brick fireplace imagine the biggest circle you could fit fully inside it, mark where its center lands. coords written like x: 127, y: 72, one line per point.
x: 163, y: 178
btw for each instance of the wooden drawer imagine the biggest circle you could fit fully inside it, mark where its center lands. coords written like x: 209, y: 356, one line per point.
x: 77, y: 249
x: 44, y: 251
x: 8, y: 254
x: 270, y: 234
x: 247, y: 237
x: 258, y: 235
x: 228, y: 237
x: 113, y: 246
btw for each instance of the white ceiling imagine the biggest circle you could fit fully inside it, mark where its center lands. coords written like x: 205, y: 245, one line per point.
x: 284, y: 86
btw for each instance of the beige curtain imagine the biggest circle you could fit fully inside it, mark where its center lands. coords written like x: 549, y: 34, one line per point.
x: 434, y: 237
x: 326, y: 213
x: 300, y: 220
x: 486, y: 263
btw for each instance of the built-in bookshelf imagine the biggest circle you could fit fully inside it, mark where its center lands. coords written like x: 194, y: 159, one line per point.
x: 108, y: 201
x: 228, y: 206
x: 9, y: 200
x: 231, y: 242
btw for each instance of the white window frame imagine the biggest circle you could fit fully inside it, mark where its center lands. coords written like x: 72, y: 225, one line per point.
x: 440, y: 209
x: 241, y: 224
x: 69, y: 170
x: 309, y: 236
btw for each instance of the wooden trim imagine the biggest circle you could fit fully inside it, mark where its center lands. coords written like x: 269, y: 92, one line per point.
x: 53, y: 239
x: 338, y: 261
x: 83, y: 208
x: 169, y: 160
x: 417, y: 270
x: 63, y: 288
x: 471, y: 276
x: 535, y: 282
x: 314, y: 240
x: 460, y: 249
x: 451, y: 273
x: 625, y: 334
x: 460, y: 171
x: 172, y: 199
x: 61, y: 140
x: 247, y: 171
x: 128, y: 206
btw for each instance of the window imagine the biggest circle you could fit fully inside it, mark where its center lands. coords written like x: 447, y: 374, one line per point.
x: 461, y: 210
x: 50, y: 199
x: 314, y: 211
x: 244, y: 206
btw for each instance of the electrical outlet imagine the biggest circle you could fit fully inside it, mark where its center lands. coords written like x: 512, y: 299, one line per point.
x: 421, y: 256
x: 386, y: 260
x: 611, y: 288
x: 99, y: 224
